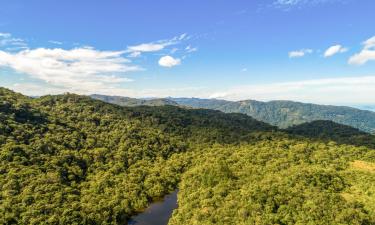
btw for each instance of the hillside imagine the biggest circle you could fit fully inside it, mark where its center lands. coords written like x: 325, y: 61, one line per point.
x: 283, y: 114
x: 126, y: 101
x: 287, y: 113
x: 70, y: 159
x: 330, y: 131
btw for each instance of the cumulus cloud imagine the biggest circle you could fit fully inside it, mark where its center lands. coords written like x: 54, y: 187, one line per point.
x: 359, y: 90
x: 169, y: 61
x: 366, y: 54
x: 82, y: 70
x: 300, y: 53
x: 333, y: 50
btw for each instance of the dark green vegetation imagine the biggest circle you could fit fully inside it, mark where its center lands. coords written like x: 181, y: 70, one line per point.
x: 278, y: 113
x: 278, y: 181
x: 69, y: 159
x: 287, y: 113
x: 324, y: 130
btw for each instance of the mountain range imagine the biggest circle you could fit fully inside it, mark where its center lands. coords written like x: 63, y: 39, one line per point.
x: 283, y: 114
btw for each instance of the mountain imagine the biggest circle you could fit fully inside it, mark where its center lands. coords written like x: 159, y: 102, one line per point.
x: 331, y: 131
x: 287, y: 113
x: 125, y: 101
x: 278, y: 113
x: 71, y: 159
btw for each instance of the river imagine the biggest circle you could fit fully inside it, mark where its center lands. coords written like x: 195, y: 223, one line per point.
x: 158, y: 213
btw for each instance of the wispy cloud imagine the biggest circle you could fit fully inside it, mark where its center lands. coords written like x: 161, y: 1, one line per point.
x: 287, y: 4
x: 333, y: 50
x: 134, y: 54
x: 10, y: 43
x: 5, y: 35
x: 299, y: 53
x: 190, y: 49
x: 55, y: 42
x: 366, y: 54
x: 155, y: 46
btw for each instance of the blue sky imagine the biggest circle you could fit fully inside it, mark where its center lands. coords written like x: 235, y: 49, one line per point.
x: 320, y: 51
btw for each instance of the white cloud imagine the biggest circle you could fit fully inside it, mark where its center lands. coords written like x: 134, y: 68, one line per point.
x: 169, y: 61
x: 291, y: 3
x: 190, y: 49
x: 80, y: 70
x: 333, y: 50
x: 158, y: 45
x: 300, y: 53
x: 288, y: 2
x: 55, y: 42
x: 6, y: 40
x: 134, y: 54
x: 183, y: 37
x: 366, y: 54
x: 244, y: 70
x: 5, y: 35
x: 149, y: 47
x: 370, y: 43
x: 349, y: 90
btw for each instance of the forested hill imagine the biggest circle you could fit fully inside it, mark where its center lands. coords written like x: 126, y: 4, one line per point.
x: 325, y: 130
x: 70, y: 159
x: 126, y: 101
x: 278, y: 113
x: 287, y: 113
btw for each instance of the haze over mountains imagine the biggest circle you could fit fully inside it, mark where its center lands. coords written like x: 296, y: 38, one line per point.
x: 278, y: 113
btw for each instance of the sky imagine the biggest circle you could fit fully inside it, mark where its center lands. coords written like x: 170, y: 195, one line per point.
x: 318, y: 51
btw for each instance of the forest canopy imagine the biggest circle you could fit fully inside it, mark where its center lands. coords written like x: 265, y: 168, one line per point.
x: 69, y: 159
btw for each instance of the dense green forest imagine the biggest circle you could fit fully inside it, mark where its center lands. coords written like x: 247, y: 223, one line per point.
x: 70, y: 159
x: 283, y: 114
x: 278, y: 181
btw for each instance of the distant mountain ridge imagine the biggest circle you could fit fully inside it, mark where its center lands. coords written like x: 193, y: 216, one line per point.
x: 126, y: 101
x: 283, y: 114
x: 288, y: 113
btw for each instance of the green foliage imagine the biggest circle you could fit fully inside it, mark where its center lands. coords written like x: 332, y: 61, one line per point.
x: 69, y: 159
x: 277, y: 181
x: 330, y: 131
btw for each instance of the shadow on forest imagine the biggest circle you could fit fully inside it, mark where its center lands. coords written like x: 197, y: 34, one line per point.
x: 323, y: 130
